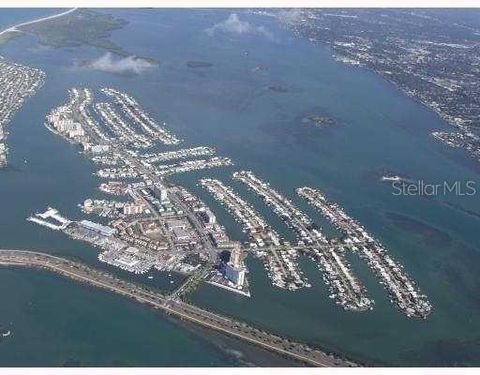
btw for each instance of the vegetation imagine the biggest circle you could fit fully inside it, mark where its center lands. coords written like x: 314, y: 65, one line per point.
x: 82, y: 27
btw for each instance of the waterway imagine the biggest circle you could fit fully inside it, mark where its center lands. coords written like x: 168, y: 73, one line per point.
x: 12, y: 16
x: 230, y: 106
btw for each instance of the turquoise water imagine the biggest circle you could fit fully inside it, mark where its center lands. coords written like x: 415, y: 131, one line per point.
x: 230, y: 106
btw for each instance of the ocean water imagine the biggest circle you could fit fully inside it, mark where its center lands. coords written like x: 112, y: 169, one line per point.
x: 13, y: 16
x: 230, y: 106
x: 94, y: 327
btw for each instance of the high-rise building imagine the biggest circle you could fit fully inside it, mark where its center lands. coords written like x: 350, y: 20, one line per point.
x: 133, y: 209
x: 236, y: 256
x: 207, y: 216
x: 235, y: 274
x: 234, y: 269
x: 160, y: 191
x: 210, y: 217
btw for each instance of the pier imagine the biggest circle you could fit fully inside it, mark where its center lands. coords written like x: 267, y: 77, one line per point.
x: 59, y: 223
x: 192, y: 165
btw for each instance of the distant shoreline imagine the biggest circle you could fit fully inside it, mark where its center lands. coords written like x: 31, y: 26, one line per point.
x: 15, y: 28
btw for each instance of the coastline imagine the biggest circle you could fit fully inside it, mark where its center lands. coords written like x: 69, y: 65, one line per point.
x: 14, y: 28
x: 86, y: 275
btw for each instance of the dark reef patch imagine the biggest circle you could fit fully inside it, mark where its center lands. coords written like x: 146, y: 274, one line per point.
x: 460, y: 270
x: 279, y: 89
x: 431, y: 236
x: 454, y: 352
x: 459, y: 208
x: 198, y: 64
x: 289, y: 130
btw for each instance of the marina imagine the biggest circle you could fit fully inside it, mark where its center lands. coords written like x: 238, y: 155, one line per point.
x: 116, y: 124
x: 192, y: 165
x: 345, y: 288
x: 391, y: 274
x: 179, y: 154
x: 279, y: 261
x: 58, y: 222
x: 132, y: 109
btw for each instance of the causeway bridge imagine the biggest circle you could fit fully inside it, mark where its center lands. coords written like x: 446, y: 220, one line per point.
x: 101, y: 279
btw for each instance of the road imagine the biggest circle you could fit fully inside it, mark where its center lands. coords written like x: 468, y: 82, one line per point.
x: 101, y: 279
x: 15, y: 28
x: 209, y: 247
x: 192, y: 281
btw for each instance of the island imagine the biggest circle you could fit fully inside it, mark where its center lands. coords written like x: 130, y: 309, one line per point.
x: 74, y: 28
x: 319, y: 121
x: 161, y: 225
